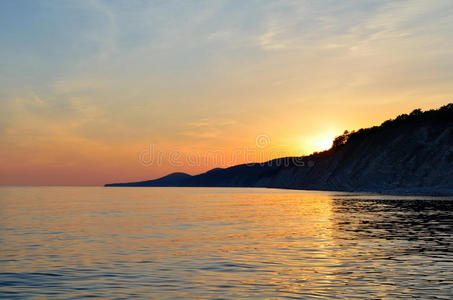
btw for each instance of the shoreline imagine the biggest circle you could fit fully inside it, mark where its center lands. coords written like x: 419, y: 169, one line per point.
x: 405, y: 192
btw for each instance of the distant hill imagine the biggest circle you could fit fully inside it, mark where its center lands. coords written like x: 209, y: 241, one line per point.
x: 412, y: 153
x: 174, y: 179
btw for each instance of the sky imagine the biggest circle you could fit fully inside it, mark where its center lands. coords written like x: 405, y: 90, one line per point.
x: 93, y: 92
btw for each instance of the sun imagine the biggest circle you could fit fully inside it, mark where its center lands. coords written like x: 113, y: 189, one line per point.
x: 323, y: 143
x: 320, y: 142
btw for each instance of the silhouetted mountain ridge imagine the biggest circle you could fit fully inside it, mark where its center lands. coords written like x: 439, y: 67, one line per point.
x: 173, y: 179
x: 412, y: 153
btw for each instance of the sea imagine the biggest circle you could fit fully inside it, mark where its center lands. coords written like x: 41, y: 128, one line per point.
x: 222, y: 243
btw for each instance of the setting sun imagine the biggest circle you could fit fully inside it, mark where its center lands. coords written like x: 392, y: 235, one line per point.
x: 320, y: 142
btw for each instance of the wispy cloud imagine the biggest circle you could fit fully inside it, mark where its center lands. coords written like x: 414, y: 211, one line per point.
x: 180, y: 72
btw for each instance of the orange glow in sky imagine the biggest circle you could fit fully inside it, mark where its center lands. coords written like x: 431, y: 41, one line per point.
x: 88, y: 87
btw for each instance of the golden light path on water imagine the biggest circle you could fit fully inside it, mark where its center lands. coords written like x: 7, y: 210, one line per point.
x: 222, y: 242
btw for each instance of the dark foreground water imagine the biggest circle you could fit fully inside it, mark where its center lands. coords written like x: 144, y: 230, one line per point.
x: 222, y: 243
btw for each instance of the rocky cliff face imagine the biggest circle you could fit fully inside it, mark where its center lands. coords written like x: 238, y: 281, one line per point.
x: 407, y: 158
x: 410, y: 154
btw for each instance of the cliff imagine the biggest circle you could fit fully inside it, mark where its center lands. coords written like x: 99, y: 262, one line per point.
x: 412, y: 153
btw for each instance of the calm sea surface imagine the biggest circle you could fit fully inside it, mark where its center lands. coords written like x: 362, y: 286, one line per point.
x: 62, y: 242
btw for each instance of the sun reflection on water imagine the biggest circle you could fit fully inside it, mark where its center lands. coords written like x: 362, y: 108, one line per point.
x: 207, y: 242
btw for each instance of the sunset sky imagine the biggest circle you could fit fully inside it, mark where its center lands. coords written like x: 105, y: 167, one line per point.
x: 105, y: 91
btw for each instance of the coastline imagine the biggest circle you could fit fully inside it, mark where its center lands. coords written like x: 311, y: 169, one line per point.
x: 400, y: 192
